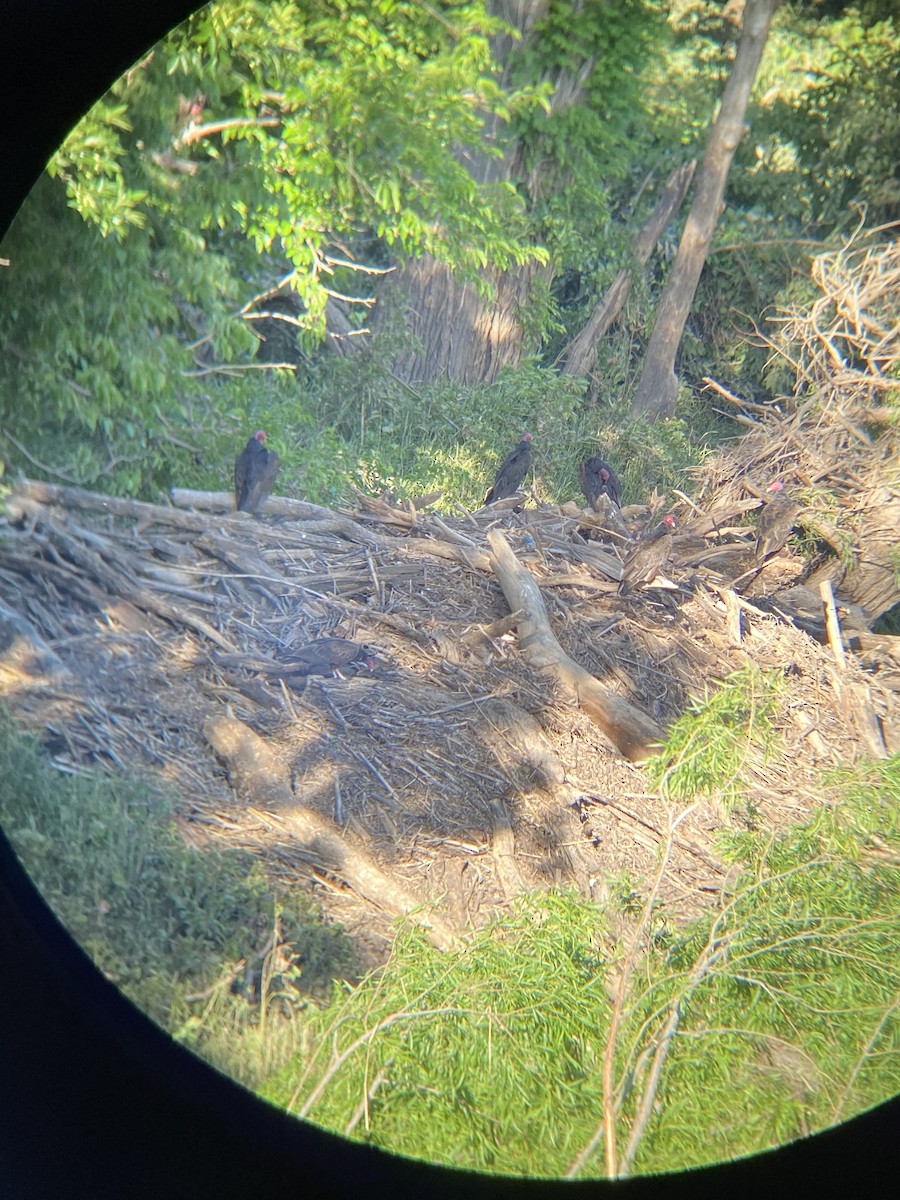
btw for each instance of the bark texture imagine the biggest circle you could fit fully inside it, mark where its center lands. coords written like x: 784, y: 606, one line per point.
x: 658, y: 389
x: 460, y: 334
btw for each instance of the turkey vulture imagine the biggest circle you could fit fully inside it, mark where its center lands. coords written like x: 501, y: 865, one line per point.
x: 599, y: 479
x: 254, y: 473
x: 775, y: 521
x: 645, y: 560
x: 512, y: 472
x: 324, y: 656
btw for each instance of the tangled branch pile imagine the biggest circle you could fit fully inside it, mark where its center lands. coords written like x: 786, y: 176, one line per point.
x: 495, y: 744
x: 834, y: 439
x: 470, y: 763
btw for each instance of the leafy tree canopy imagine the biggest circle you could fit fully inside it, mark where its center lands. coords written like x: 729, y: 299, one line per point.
x: 257, y: 144
x: 268, y: 152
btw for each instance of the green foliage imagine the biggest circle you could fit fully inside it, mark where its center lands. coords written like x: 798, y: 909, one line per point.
x: 284, y: 145
x: 710, y: 748
x: 159, y: 919
x: 358, y: 422
x: 89, y: 161
x: 258, y: 143
x: 793, y: 990
x: 786, y: 1000
x: 490, y: 1056
x: 826, y: 135
x: 574, y: 154
x: 823, y: 141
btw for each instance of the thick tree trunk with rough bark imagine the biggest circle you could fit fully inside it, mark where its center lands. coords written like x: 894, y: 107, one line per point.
x: 658, y: 389
x: 461, y: 335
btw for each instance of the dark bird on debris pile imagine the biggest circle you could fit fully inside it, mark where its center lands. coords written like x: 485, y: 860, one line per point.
x: 775, y: 521
x: 599, y: 479
x: 649, y: 557
x: 254, y: 474
x: 512, y: 472
x: 324, y: 656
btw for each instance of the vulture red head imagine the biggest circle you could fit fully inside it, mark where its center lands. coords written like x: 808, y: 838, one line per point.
x: 669, y: 520
x: 775, y: 486
x: 260, y: 436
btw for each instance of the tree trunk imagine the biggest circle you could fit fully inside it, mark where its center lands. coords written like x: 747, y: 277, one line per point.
x: 581, y: 353
x: 658, y: 389
x: 460, y: 335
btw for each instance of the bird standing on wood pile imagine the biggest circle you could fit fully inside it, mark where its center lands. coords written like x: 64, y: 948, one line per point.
x: 254, y: 474
x: 324, y: 656
x: 645, y: 561
x: 775, y: 521
x: 512, y: 472
x: 599, y: 479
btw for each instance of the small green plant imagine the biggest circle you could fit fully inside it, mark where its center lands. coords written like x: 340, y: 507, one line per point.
x: 709, y: 749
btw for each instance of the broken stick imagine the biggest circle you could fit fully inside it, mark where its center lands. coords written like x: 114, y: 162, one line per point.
x: 832, y: 624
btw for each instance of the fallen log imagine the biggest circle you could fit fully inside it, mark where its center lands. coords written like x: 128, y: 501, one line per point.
x: 631, y: 731
x: 278, y: 506
x: 257, y: 774
x: 114, y: 506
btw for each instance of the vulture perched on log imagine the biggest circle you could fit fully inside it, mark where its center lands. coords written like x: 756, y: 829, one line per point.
x: 775, y: 521
x: 512, y: 472
x: 649, y: 557
x: 324, y: 656
x: 599, y: 479
x: 254, y: 474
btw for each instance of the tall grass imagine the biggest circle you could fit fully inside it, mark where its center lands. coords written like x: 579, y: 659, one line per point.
x: 774, y: 1017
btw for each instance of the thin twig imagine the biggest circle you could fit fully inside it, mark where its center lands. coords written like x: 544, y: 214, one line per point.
x: 866, y: 1051
x: 37, y: 463
x: 363, y: 1107
x: 339, y: 1059
x: 606, y: 1129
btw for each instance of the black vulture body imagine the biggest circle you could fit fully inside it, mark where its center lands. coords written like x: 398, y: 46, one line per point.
x: 254, y: 474
x: 599, y: 479
x: 512, y: 472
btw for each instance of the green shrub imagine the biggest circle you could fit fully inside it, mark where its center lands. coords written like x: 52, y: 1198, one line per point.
x: 160, y: 920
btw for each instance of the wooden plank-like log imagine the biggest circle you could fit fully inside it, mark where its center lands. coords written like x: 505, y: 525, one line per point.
x: 635, y: 734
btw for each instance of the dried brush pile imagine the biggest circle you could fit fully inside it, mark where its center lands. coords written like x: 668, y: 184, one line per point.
x: 489, y: 738
x: 834, y: 438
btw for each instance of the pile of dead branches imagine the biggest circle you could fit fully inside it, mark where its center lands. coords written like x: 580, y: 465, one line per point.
x: 490, y: 749
x: 833, y: 441
x: 492, y: 742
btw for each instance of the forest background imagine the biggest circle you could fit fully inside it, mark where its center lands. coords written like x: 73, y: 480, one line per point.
x: 277, y: 173
x: 235, y: 237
